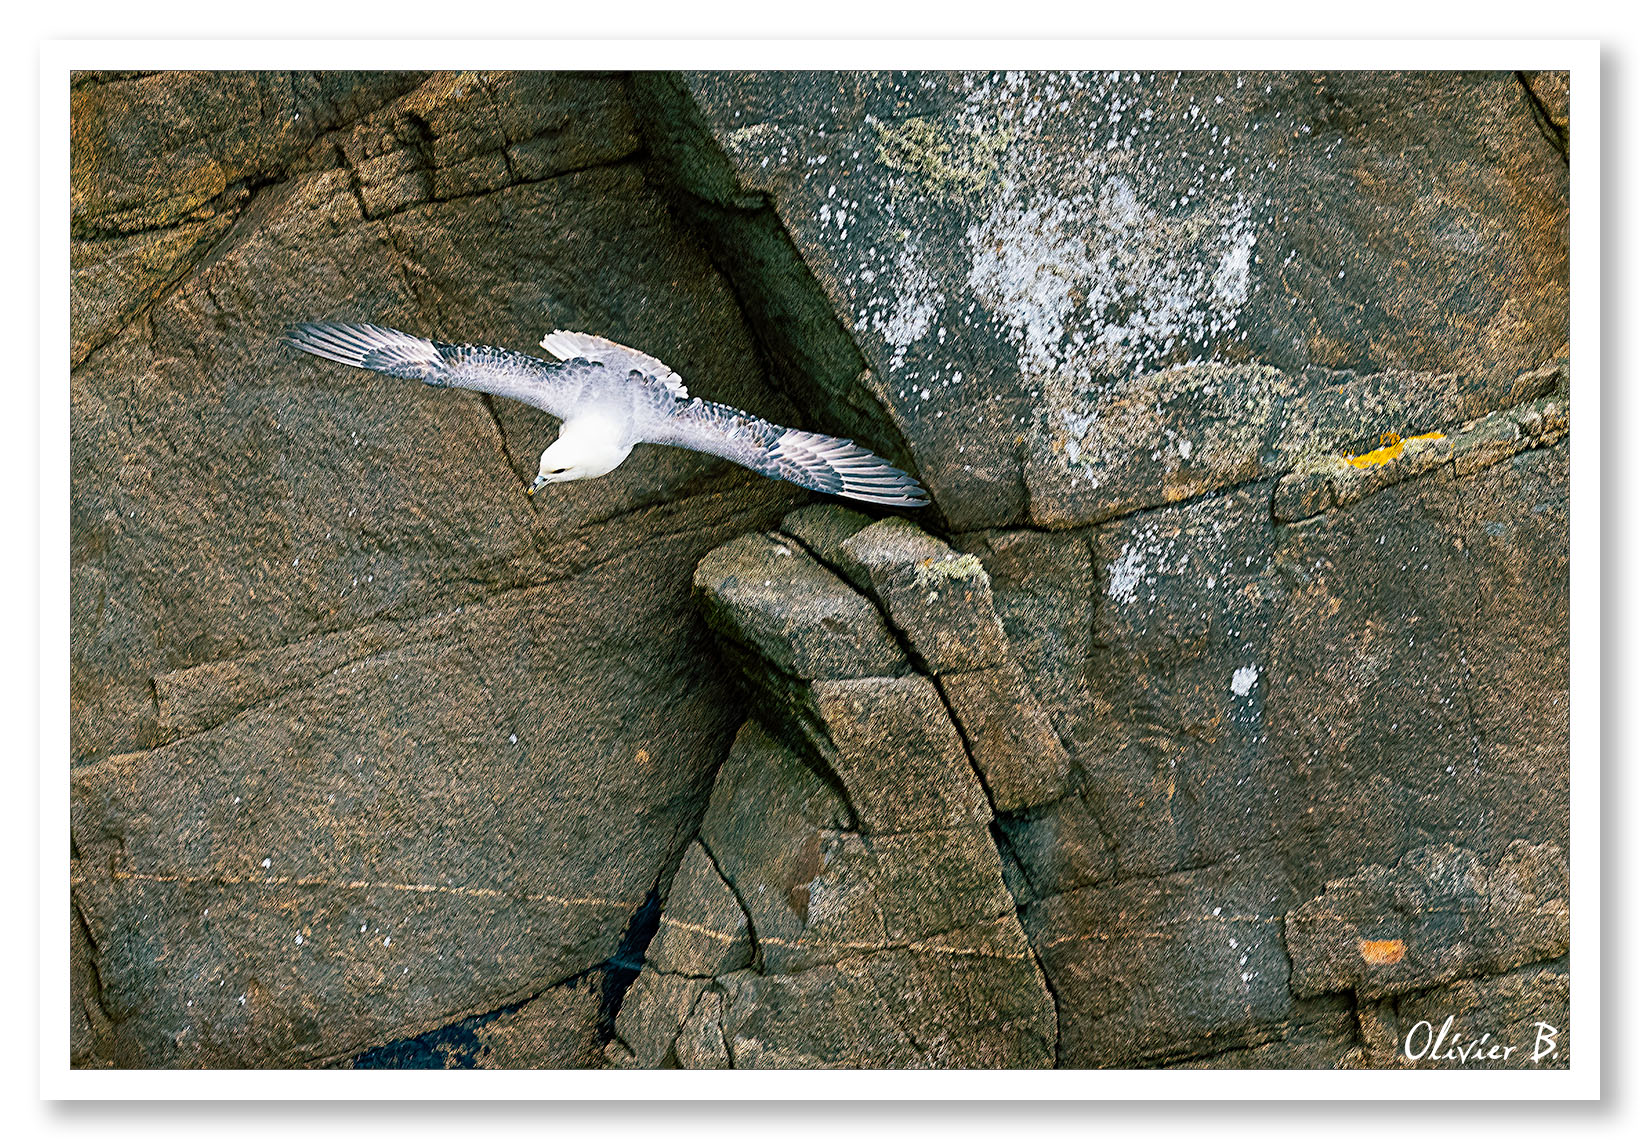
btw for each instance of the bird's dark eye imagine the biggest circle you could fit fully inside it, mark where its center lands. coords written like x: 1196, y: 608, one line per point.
x: 557, y: 470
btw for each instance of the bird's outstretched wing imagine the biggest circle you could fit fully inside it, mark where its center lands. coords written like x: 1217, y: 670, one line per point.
x: 591, y: 364
x: 554, y: 388
x: 567, y: 345
x: 809, y: 459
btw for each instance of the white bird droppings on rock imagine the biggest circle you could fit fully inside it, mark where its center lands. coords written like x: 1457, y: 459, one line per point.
x: 1125, y: 573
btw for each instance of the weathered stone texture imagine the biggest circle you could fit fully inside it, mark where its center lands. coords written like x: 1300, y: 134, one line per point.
x: 882, y: 930
x: 1525, y: 1012
x: 1153, y: 969
x: 316, y: 621
x: 1076, y: 294
x: 1215, y: 715
x: 1437, y: 915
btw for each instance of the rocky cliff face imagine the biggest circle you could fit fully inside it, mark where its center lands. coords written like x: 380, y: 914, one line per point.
x: 1194, y: 724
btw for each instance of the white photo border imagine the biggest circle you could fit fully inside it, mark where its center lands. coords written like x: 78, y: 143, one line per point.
x: 1580, y: 1082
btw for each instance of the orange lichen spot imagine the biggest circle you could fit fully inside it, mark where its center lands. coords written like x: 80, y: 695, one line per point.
x: 643, y: 756
x: 1384, y: 952
x: 1389, y: 447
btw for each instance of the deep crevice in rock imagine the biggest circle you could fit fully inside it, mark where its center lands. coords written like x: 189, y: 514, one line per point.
x: 811, y: 354
x: 507, y: 456
x: 621, y: 969
x: 1558, y: 136
x: 96, y: 990
x: 453, y: 1046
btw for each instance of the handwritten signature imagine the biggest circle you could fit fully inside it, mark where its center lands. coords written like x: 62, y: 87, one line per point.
x: 1426, y: 1043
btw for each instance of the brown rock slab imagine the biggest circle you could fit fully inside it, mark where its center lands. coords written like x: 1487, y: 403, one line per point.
x: 1439, y: 914
x: 1013, y: 745
x: 1025, y: 295
x: 816, y: 892
x: 652, y: 1014
x: 1397, y: 717
x: 703, y: 930
x: 162, y: 165
x: 938, y: 599
x: 899, y: 758
x: 323, y: 591
x: 700, y: 1043
x: 394, y: 831
x: 1058, y: 847
x: 1176, y: 680
x: 1161, y: 969
x: 1044, y: 588
x: 831, y: 1017
x: 937, y: 1006
x: 823, y: 528
x: 857, y: 961
x: 773, y: 599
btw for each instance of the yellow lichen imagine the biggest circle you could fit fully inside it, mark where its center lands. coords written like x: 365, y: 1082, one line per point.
x: 1389, y: 447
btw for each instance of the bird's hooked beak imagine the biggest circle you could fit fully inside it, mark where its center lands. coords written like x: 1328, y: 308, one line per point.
x: 536, y: 486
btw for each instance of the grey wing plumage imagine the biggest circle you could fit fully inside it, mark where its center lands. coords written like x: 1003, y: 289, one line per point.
x: 809, y: 459
x: 551, y: 387
x: 567, y: 345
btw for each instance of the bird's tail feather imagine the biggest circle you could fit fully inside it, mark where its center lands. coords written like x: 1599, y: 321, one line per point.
x: 371, y: 346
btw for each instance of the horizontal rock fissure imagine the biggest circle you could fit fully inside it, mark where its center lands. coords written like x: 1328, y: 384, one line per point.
x: 1533, y: 424
x: 1271, y: 477
x: 1226, y: 863
x: 234, y: 199
x: 1479, y: 975
x: 317, y: 881
x: 1257, y: 1038
x: 410, y: 207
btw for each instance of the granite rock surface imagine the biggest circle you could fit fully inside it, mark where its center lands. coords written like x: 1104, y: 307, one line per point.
x: 1215, y: 715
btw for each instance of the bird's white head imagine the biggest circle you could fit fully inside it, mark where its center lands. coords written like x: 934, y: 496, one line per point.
x: 581, y: 451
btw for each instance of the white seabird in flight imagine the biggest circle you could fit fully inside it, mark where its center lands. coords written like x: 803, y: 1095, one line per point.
x: 611, y: 398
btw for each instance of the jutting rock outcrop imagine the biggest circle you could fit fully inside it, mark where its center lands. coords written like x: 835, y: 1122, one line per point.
x: 875, y: 926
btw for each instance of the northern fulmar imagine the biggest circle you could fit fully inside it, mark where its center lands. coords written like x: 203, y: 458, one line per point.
x: 611, y: 398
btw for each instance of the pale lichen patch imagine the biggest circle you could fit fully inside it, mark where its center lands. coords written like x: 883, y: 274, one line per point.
x: 932, y: 572
x: 950, y: 161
